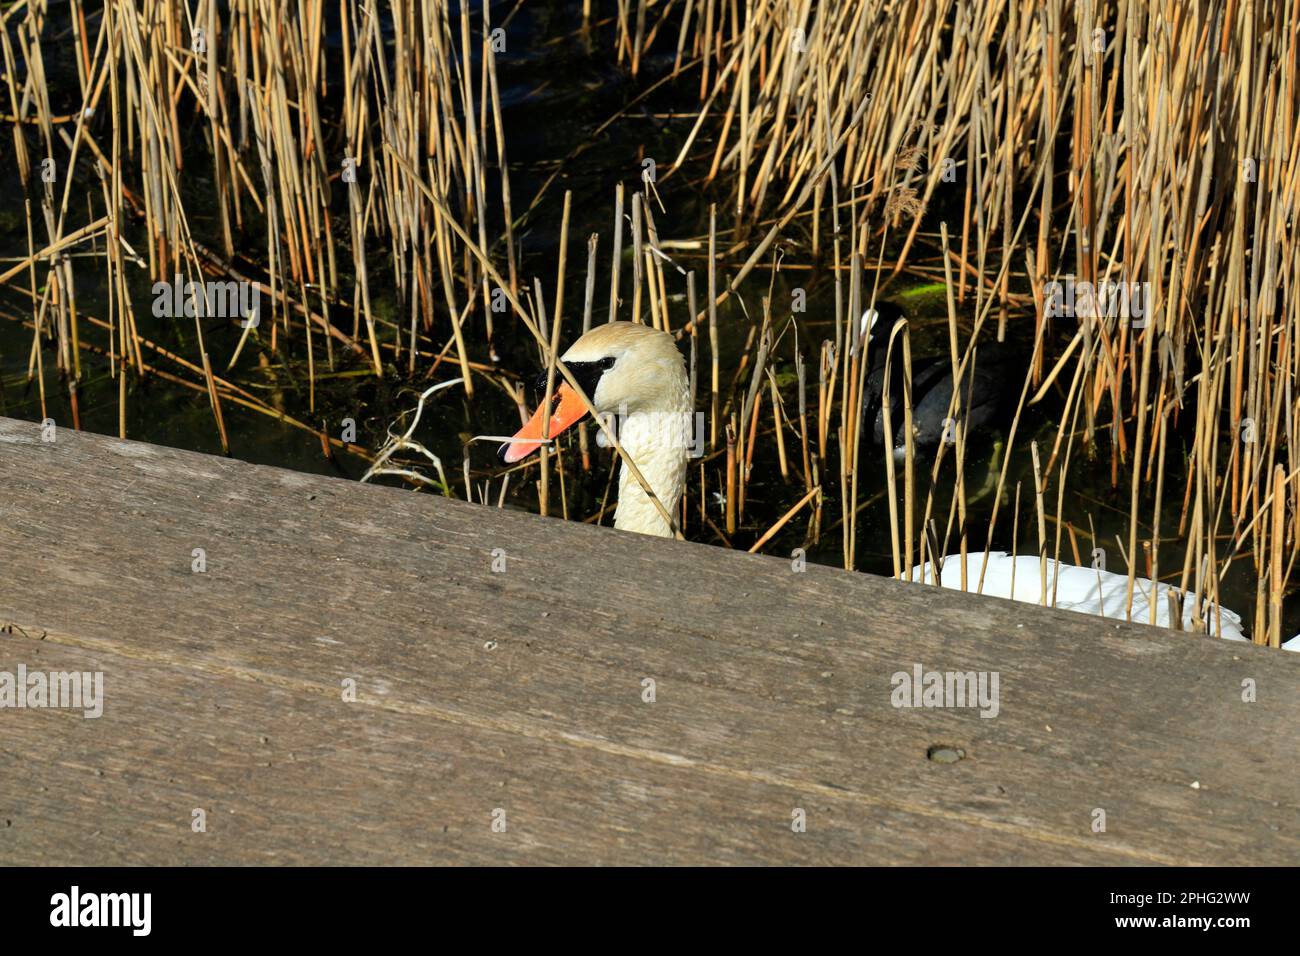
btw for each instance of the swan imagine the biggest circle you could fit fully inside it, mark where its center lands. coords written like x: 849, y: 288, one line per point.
x: 1085, y: 590
x: 635, y: 372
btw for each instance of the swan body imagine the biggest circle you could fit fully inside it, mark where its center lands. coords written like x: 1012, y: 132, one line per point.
x: 634, y: 372
x: 1085, y: 590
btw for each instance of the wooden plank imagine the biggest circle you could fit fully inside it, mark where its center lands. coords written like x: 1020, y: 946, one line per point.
x: 522, y: 691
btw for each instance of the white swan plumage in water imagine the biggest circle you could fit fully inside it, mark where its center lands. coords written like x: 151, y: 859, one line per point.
x: 1085, y: 590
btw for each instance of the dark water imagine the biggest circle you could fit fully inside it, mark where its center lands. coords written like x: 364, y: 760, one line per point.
x: 558, y: 86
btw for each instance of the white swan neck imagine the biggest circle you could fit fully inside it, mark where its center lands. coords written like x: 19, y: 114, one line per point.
x: 659, y: 443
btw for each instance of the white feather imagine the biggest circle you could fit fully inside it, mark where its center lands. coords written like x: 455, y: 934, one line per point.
x: 1086, y: 590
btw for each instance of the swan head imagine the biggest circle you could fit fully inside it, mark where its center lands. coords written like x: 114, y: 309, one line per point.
x: 623, y: 367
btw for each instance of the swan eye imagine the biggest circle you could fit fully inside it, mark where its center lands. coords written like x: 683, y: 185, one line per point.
x: 587, y: 373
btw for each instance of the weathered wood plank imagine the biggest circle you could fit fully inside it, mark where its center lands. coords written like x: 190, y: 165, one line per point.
x: 523, y: 690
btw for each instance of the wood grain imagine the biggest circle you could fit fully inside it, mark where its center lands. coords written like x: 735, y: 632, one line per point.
x: 522, y: 692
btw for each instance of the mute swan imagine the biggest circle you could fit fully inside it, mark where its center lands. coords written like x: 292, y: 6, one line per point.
x: 635, y: 372
x: 1086, y: 590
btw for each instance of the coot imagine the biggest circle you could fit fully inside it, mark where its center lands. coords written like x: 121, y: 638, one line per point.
x: 983, y: 387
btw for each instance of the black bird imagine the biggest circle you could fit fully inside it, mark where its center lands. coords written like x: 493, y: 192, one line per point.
x: 983, y: 388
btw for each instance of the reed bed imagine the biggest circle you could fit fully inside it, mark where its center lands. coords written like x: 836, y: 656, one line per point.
x: 1104, y: 143
x: 843, y: 150
x: 313, y: 164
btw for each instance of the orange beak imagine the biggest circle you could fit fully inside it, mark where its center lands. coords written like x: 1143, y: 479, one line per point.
x: 567, y: 410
